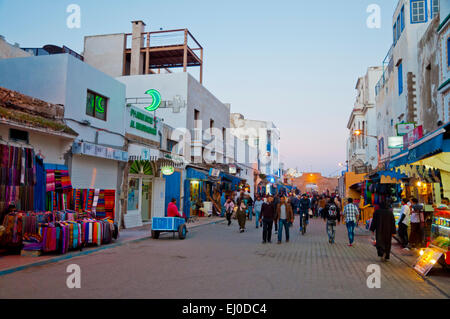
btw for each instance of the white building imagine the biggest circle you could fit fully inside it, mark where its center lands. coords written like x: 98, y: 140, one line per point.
x: 264, y: 137
x: 94, y: 108
x: 444, y: 59
x: 396, y: 92
x: 362, y: 149
x: 11, y: 51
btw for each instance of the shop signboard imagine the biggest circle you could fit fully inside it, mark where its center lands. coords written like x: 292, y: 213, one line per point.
x: 167, y: 170
x: 214, y: 172
x: 232, y: 169
x: 142, y: 123
x: 405, y: 128
x: 413, y: 136
x: 427, y: 260
x: 395, y: 142
x: 101, y: 151
x: 138, y: 152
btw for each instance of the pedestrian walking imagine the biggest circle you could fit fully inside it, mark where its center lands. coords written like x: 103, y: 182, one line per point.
x: 241, y: 215
x: 284, y: 216
x: 416, y: 222
x: 337, y: 202
x: 267, y: 217
x: 249, y: 203
x: 258, y: 205
x: 403, y: 224
x: 351, y: 214
x: 276, y: 201
x: 383, y: 226
x: 229, y: 207
x: 330, y: 212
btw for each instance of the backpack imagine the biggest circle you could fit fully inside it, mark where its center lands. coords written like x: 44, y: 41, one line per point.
x: 332, y: 211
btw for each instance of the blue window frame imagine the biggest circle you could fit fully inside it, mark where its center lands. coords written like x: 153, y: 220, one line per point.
x: 400, y: 79
x: 419, y: 11
x: 434, y: 8
x: 448, y: 55
x: 398, y: 28
x: 394, y: 32
x: 402, y: 18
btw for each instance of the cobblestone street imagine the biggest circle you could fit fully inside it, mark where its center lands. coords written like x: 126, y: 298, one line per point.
x: 216, y: 261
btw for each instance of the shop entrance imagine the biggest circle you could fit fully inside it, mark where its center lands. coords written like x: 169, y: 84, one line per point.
x: 146, y: 200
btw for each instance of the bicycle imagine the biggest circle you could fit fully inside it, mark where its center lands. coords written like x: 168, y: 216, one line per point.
x: 304, y: 223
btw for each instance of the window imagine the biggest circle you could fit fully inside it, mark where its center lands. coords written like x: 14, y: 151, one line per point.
x: 418, y: 11
x: 402, y: 18
x: 96, y: 105
x: 398, y: 28
x: 394, y: 33
x: 434, y: 8
x: 448, y: 56
x: 18, y: 135
x: 400, y: 79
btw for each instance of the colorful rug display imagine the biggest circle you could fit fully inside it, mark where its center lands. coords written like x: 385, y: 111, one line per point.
x: 17, y: 177
x: 58, y: 187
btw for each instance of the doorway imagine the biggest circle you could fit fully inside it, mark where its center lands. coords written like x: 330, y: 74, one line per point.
x: 146, y: 200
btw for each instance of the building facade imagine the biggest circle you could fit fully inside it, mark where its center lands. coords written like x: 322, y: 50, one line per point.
x: 94, y: 107
x: 362, y: 148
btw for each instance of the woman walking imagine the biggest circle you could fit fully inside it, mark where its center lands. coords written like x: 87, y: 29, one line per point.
x: 241, y: 215
x: 383, y: 225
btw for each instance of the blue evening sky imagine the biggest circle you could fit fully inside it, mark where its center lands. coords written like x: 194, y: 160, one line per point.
x: 295, y: 62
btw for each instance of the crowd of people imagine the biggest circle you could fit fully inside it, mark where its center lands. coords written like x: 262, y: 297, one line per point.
x: 278, y: 211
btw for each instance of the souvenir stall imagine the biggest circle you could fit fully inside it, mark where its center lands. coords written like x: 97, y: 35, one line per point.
x: 49, y: 216
x: 376, y: 188
x: 427, y: 164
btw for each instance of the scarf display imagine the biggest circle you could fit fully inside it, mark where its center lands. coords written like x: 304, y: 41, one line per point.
x: 101, y: 202
x: 17, y: 177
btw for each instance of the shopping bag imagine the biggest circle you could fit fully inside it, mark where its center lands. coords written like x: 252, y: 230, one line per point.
x: 310, y: 213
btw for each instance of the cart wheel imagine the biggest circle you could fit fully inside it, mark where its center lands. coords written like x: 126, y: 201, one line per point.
x: 182, y: 231
x: 155, y: 234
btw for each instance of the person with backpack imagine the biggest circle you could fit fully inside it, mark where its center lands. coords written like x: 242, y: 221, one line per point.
x: 351, y: 213
x: 304, y: 206
x: 229, y: 207
x: 330, y: 212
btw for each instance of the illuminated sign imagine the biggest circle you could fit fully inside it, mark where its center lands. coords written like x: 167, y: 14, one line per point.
x: 156, y: 100
x: 167, y: 170
x: 427, y: 260
x: 405, y: 128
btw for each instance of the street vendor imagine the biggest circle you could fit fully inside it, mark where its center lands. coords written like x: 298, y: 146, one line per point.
x: 172, y: 210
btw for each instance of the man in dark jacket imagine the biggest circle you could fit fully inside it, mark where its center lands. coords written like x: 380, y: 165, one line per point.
x: 383, y: 223
x: 276, y: 201
x: 304, y: 206
x: 267, y: 217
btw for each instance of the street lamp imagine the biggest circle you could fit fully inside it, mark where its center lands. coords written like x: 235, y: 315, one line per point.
x: 360, y: 133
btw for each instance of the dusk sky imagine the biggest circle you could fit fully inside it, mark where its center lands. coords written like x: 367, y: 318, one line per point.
x: 295, y: 63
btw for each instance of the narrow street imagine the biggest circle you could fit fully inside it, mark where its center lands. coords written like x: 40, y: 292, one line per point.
x: 216, y: 261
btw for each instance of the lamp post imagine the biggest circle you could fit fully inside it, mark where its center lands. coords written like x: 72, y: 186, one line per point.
x: 360, y: 133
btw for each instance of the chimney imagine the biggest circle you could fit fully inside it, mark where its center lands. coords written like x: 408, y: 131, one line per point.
x: 137, y: 42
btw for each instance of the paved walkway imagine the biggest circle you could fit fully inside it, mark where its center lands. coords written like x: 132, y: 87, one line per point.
x: 217, y: 261
x: 15, y: 262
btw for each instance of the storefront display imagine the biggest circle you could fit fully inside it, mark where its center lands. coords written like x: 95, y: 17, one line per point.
x: 440, y: 232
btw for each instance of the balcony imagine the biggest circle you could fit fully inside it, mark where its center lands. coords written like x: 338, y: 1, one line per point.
x: 168, y: 49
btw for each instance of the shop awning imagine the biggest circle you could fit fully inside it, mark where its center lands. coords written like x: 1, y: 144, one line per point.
x: 196, y: 174
x: 433, y: 143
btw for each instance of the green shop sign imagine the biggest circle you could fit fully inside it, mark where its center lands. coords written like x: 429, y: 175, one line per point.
x: 140, y: 122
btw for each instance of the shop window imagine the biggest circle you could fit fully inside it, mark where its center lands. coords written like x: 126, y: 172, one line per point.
x: 133, y: 194
x: 418, y: 11
x: 96, y: 105
x: 18, y: 135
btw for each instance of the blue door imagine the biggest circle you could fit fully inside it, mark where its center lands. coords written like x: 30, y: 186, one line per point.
x: 172, y: 189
